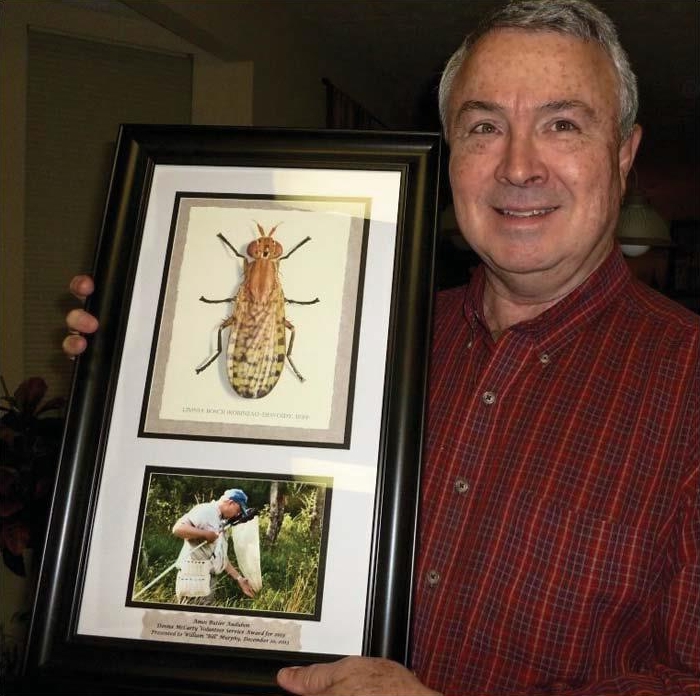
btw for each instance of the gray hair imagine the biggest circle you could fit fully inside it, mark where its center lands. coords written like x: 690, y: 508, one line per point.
x: 578, y: 18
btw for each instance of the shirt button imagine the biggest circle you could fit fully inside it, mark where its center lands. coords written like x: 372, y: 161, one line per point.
x: 461, y: 486
x: 544, y: 358
x: 432, y: 577
x: 488, y: 397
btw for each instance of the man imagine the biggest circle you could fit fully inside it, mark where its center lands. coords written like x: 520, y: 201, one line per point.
x: 559, y: 526
x: 206, y: 523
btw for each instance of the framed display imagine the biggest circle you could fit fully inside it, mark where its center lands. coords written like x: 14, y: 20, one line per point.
x: 238, y: 486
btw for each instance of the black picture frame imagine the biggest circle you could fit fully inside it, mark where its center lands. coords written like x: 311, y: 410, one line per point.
x: 80, y: 636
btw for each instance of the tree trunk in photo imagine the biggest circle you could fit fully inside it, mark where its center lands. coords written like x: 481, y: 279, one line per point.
x: 276, y: 511
x: 319, y: 507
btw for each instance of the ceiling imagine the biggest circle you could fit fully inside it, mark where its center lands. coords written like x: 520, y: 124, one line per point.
x: 405, y: 43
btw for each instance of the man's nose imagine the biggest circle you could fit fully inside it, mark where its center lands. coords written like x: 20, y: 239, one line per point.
x: 521, y: 163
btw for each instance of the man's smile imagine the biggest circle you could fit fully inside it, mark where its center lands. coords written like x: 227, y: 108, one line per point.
x: 533, y: 212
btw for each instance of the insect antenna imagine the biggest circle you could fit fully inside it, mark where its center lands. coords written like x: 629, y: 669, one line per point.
x: 261, y: 230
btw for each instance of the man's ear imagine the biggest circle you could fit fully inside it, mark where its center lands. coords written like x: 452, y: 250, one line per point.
x: 628, y: 151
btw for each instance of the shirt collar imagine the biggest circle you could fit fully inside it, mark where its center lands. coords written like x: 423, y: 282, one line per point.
x: 567, y: 317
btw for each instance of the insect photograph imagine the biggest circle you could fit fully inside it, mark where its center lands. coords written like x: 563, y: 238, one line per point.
x: 257, y: 347
x: 257, y: 330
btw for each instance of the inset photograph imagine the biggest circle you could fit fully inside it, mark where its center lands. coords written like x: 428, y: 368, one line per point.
x: 231, y: 543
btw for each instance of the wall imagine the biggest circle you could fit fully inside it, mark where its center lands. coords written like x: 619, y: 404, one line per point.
x: 674, y: 191
x: 290, y: 57
x: 267, y: 71
x: 222, y: 93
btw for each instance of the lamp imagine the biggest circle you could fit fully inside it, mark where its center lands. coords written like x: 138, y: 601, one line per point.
x: 640, y: 227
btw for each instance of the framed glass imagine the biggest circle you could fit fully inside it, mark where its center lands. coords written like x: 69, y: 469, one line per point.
x: 264, y: 302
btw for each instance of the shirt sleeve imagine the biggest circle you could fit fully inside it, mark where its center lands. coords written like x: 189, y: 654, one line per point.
x: 203, y: 517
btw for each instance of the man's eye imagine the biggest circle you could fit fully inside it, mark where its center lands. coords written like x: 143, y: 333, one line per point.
x: 484, y: 128
x: 563, y: 126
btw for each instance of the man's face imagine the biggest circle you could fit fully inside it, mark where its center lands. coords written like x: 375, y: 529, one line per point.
x: 230, y: 508
x: 536, y: 168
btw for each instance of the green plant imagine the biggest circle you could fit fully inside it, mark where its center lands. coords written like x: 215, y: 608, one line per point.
x: 30, y: 440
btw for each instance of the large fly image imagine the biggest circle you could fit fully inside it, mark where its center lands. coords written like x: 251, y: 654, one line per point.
x: 257, y: 346
x: 258, y: 320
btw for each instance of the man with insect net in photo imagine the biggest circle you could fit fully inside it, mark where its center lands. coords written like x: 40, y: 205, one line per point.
x: 204, y: 552
x: 559, y: 531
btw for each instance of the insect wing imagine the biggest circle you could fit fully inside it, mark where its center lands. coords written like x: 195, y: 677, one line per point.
x: 256, y: 348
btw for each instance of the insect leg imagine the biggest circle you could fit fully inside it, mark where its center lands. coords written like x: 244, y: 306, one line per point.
x: 224, y: 324
x: 230, y: 246
x: 286, y: 299
x: 293, y: 249
x: 290, y: 326
x: 240, y: 256
x: 226, y: 299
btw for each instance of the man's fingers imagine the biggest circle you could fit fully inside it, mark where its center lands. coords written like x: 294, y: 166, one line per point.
x: 80, y: 320
x: 353, y: 676
x: 74, y: 345
x: 309, y: 680
x: 81, y: 286
x: 246, y: 587
x: 290, y: 679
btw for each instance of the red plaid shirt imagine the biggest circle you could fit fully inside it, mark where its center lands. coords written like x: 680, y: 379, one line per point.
x: 560, y: 529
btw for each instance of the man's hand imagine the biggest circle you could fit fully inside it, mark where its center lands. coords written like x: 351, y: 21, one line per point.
x: 78, y: 320
x: 353, y: 676
x: 246, y: 587
x: 185, y: 530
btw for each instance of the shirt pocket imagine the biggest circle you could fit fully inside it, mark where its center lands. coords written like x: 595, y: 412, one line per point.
x: 571, y: 586
x: 601, y: 553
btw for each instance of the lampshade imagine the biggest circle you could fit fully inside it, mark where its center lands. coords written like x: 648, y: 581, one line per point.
x: 640, y: 225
